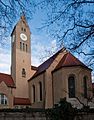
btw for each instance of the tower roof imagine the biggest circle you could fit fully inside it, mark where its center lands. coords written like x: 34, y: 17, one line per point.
x: 22, y: 19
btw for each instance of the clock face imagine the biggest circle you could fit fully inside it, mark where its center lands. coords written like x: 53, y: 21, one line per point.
x: 23, y: 36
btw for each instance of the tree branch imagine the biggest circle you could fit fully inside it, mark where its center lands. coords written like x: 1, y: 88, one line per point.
x: 87, y: 37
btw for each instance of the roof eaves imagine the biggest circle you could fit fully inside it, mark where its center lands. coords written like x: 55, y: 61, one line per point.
x: 34, y: 67
x: 71, y: 66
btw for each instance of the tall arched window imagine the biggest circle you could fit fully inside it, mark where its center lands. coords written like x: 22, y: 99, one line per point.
x: 26, y: 48
x: 23, y: 73
x: 3, y: 99
x: 23, y: 47
x: 20, y: 45
x: 40, y: 91
x: 71, y: 86
x: 85, y: 86
x: 33, y: 93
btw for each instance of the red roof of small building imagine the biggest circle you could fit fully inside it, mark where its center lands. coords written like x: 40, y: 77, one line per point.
x: 68, y: 60
x: 7, y: 79
x: 21, y: 101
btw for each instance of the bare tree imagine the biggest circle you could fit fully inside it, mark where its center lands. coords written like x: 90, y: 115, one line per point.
x: 71, y: 22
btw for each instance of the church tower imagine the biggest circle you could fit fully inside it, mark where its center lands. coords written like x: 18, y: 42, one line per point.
x: 21, y: 57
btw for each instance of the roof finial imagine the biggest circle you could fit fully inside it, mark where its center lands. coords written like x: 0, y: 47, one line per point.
x: 23, y: 15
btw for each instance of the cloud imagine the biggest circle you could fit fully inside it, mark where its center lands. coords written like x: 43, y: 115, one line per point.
x: 42, y: 49
x: 35, y: 61
x: 5, y: 61
x: 4, y: 68
x: 53, y: 45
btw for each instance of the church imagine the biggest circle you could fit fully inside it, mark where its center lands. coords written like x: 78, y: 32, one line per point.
x: 60, y: 76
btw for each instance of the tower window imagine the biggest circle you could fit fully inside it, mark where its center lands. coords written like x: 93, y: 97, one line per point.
x: 23, y: 73
x: 26, y: 48
x: 24, y: 30
x: 3, y: 99
x: 20, y: 45
x: 23, y: 47
x: 33, y: 93
x: 85, y: 86
x: 71, y: 86
x: 40, y: 91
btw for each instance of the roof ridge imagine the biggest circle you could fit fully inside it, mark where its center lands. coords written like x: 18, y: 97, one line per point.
x: 51, y: 56
x: 5, y: 74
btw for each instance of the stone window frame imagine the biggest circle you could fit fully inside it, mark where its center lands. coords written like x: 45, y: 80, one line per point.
x: 85, y: 87
x: 33, y: 94
x: 23, y: 72
x: 3, y: 99
x: 40, y: 91
x: 72, y: 90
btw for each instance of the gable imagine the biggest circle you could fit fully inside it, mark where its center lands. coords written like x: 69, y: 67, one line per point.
x: 7, y: 79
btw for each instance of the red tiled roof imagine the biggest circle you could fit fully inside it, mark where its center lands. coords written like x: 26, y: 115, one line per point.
x: 46, y: 64
x: 7, y: 79
x: 68, y: 60
x: 21, y: 101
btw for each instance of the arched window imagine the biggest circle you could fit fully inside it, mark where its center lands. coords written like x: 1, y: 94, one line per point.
x: 26, y: 48
x: 33, y: 93
x: 3, y: 99
x: 24, y: 30
x: 23, y: 73
x: 71, y: 86
x: 23, y: 47
x: 40, y: 91
x: 85, y: 86
x: 20, y: 45
x: 21, y: 28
